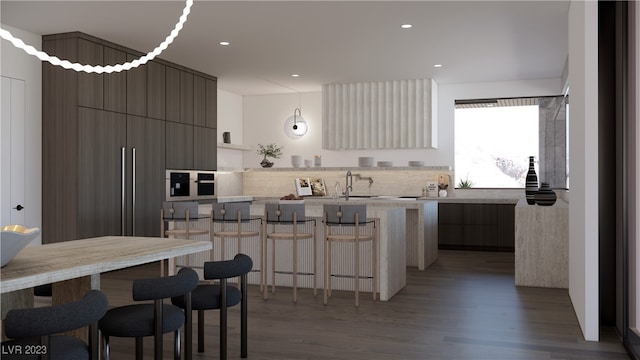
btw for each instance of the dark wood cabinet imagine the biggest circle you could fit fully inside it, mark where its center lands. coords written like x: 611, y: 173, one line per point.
x: 114, y: 98
x: 199, y: 101
x: 172, y: 94
x: 136, y: 89
x: 179, y: 146
x: 90, y: 86
x: 186, y: 98
x: 145, y: 144
x: 473, y: 226
x: 204, y: 148
x: 101, y: 135
x: 212, y: 104
x: 156, y: 90
x: 96, y: 126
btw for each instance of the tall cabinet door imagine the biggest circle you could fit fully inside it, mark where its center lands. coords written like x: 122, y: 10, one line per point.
x: 145, y: 146
x: 101, y: 136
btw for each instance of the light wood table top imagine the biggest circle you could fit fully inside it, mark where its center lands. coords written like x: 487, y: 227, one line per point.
x: 37, y: 265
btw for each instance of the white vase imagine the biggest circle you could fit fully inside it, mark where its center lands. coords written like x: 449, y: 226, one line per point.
x: 442, y: 193
x: 296, y: 161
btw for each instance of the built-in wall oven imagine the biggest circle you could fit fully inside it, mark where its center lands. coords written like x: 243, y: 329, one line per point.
x: 190, y: 185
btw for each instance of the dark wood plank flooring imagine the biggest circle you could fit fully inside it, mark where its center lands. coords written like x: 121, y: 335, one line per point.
x: 465, y: 306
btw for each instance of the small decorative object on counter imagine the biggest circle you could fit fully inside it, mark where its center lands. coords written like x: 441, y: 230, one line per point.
x: 442, y: 192
x: 432, y: 188
x: 545, y: 196
x: 317, y: 160
x: 271, y: 150
x: 308, y: 163
x: 226, y: 137
x: 296, y: 161
x: 531, y: 184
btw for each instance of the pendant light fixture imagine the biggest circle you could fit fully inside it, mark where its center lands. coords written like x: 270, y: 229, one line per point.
x: 54, y: 60
x: 296, y: 126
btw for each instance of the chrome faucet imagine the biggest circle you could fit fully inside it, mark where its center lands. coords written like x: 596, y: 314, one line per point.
x: 348, y: 185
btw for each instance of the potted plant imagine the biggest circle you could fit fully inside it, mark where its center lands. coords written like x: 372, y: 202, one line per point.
x: 465, y: 184
x: 270, y: 150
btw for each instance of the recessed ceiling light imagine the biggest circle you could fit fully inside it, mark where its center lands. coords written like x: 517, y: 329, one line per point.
x: 224, y: 43
x: 437, y: 65
x: 406, y: 26
x: 295, y: 75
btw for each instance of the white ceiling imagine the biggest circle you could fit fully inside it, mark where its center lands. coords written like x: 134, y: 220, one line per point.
x: 324, y: 41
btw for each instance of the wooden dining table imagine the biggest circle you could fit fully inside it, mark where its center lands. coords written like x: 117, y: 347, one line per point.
x: 74, y: 267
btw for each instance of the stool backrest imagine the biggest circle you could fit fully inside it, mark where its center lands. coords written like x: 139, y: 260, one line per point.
x: 229, y: 211
x: 49, y: 320
x: 178, y: 209
x: 165, y: 287
x: 345, y: 214
x: 239, y: 266
x: 283, y: 213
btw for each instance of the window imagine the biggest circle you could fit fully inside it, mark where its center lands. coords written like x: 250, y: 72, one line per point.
x: 493, y: 141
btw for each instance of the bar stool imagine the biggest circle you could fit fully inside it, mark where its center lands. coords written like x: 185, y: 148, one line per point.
x: 227, y: 215
x: 293, y: 215
x: 153, y: 319
x: 46, y: 328
x: 353, y: 217
x: 179, y: 211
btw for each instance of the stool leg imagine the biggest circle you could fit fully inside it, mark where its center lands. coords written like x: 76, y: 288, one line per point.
x: 326, y: 269
x: 176, y: 345
x: 329, y: 264
x: 315, y: 262
x: 107, y: 353
x: 295, y: 270
x: 139, y: 354
x: 223, y: 319
x: 200, y: 331
x: 374, y: 264
x: 357, y: 271
x: 243, y: 318
x: 273, y: 266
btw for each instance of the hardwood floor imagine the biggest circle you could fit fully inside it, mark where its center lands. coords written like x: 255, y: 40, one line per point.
x: 465, y: 306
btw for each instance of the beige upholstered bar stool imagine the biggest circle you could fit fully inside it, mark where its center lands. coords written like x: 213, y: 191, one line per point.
x: 179, y: 211
x: 234, y: 222
x: 289, y: 216
x: 348, y: 224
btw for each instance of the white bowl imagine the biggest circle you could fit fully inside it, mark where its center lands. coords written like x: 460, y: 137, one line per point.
x: 13, y: 239
x: 365, y: 161
x: 385, y: 163
x: 416, y: 163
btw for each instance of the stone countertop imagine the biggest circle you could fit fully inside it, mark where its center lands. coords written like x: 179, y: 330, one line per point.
x: 400, y: 201
x: 352, y: 168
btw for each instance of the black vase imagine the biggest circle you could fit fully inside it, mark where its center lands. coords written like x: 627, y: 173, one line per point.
x: 545, y: 196
x: 531, y: 184
x: 266, y: 163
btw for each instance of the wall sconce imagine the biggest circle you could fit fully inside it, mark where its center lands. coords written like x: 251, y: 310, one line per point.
x: 295, y: 126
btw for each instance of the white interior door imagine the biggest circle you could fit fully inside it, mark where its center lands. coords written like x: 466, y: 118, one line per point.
x: 12, y: 151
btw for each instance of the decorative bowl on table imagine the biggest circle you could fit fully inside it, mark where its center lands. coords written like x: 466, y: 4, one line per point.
x: 13, y: 238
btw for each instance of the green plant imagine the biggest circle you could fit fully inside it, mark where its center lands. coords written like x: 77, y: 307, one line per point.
x: 465, y: 184
x: 270, y: 150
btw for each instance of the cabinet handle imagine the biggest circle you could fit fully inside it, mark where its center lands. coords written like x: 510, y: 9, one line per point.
x: 19, y: 207
x: 133, y: 201
x: 122, y: 189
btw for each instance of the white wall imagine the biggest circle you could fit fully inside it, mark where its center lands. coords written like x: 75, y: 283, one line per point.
x: 264, y: 118
x: 266, y: 114
x: 230, y: 115
x: 15, y: 63
x: 583, y: 155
